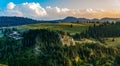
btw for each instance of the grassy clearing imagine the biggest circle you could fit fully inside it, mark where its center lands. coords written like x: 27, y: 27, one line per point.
x: 2, y: 65
x: 78, y: 24
x: 77, y: 27
x: 115, y: 43
x: 83, y: 41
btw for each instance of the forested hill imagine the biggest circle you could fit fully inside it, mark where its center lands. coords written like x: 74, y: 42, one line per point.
x: 43, y: 47
x: 14, y: 21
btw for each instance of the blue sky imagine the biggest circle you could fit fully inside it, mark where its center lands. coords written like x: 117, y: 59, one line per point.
x: 3, y: 3
x: 57, y: 9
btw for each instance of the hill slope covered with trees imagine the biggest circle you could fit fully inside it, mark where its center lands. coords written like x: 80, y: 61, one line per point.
x: 44, y: 48
x: 14, y: 21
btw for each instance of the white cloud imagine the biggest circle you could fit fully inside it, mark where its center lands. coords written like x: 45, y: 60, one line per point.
x: 31, y: 10
x: 12, y: 13
x: 34, y: 8
x: 57, y: 9
x: 56, y: 12
x: 10, y: 5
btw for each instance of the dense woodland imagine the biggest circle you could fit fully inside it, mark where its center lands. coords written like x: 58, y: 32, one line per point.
x: 104, y: 30
x: 13, y: 21
x: 51, y: 52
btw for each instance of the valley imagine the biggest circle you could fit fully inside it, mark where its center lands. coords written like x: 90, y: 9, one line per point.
x: 76, y: 43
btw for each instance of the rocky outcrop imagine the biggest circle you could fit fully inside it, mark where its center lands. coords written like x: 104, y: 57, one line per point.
x: 66, y: 40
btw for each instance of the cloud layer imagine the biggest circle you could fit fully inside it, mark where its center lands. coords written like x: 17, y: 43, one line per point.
x: 36, y: 11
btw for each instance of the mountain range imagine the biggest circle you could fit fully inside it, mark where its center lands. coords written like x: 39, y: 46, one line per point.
x: 14, y: 21
x: 74, y: 19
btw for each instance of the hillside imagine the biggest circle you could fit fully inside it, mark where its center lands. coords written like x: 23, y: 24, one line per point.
x: 14, y: 21
x: 44, y: 47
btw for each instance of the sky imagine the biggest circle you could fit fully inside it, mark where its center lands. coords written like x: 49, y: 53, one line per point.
x: 58, y: 9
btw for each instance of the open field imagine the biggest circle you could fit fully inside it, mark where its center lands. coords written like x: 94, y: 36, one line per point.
x: 66, y: 27
x: 115, y: 43
x: 2, y: 65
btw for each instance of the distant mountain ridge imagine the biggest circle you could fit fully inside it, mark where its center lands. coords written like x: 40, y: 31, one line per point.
x: 68, y: 19
x: 14, y: 21
x: 74, y: 19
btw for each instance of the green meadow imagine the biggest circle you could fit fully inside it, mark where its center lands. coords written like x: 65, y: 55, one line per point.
x: 66, y: 27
